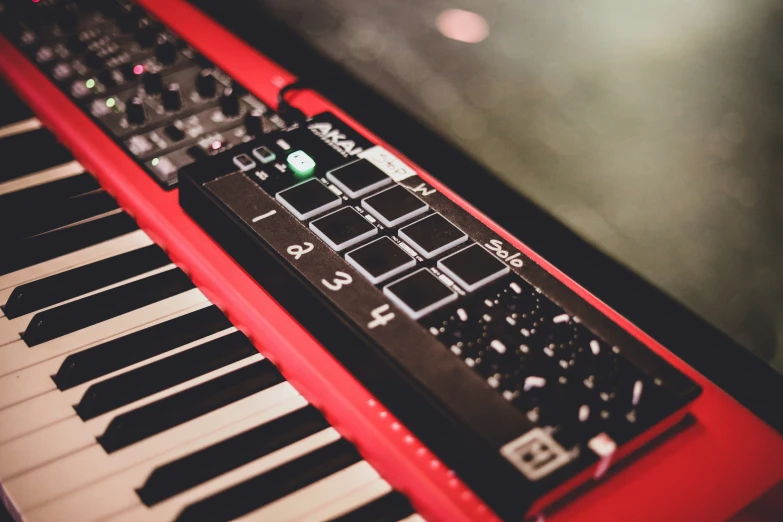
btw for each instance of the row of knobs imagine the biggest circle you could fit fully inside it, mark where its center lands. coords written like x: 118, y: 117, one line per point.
x: 171, y: 96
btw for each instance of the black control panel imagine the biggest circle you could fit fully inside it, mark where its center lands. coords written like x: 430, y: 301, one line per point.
x: 511, y: 378
x: 162, y: 101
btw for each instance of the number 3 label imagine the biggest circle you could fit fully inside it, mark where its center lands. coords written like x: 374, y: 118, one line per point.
x: 339, y: 281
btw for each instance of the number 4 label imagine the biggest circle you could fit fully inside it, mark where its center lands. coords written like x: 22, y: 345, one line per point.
x: 380, y: 317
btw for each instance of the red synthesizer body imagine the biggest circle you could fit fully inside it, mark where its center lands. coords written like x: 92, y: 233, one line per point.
x: 711, y: 466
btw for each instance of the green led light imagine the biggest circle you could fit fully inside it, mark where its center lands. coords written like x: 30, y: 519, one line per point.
x: 155, y: 162
x: 110, y: 102
x: 89, y: 83
x: 300, y: 163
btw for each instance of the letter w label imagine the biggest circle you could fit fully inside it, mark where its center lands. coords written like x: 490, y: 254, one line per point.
x: 423, y: 190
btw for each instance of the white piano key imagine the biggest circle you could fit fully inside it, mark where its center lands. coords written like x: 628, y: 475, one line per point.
x: 169, y: 509
x: 306, y: 500
x: 103, y: 485
x: 17, y: 355
x: 66, y: 170
x: 18, y: 127
x: 36, y: 380
x: 11, y: 329
x: 112, y: 247
x: 347, y: 503
x: 96, y: 426
x: 55, y: 405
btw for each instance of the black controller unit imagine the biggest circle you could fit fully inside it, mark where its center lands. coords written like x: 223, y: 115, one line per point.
x: 511, y: 378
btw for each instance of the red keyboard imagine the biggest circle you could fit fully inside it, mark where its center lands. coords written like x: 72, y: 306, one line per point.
x: 416, y: 361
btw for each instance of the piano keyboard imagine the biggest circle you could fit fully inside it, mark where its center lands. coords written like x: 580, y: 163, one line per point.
x: 124, y: 393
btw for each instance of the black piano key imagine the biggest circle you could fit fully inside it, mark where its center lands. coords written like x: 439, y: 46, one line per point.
x: 155, y: 377
x: 73, y: 316
x: 20, y: 204
x: 30, y: 152
x: 194, y: 469
x: 392, y: 507
x: 52, y: 217
x: 133, y: 348
x: 166, y: 413
x: 72, y: 283
x: 44, y: 247
x: 273, y: 485
x: 12, y: 108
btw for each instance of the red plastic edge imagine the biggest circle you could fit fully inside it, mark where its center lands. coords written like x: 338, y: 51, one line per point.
x: 679, y: 479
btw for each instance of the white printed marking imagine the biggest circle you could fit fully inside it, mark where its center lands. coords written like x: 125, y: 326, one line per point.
x: 446, y: 280
x: 524, y: 348
x: 455, y: 350
x: 487, y: 318
x: 264, y: 216
x: 508, y: 395
x: 525, y: 332
x: 462, y: 314
x: 637, y: 393
x: 283, y: 145
x: 595, y: 347
x: 369, y: 218
x: 434, y: 331
x: 534, y: 382
x: 584, y: 412
x: 489, y: 303
x: 510, y: 320
x: 493, y: 382
x: 498, y: 346
x: 562, y: 318
x: 603, y: 446
x: 549, y: 351
x: 470, y: 362
x: 516, y: 288
x: 337, y: 192
x: 403, y: 245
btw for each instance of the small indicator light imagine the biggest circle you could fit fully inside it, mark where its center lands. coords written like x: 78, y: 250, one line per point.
x: 301, y: 163
x: 138, y: 69
x: 89, y: 83
x: 155, y: 162
x: 216, y: 145
x: 110, y: 102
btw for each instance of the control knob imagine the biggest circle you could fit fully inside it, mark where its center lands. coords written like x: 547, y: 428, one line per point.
x: 146, y: 36
x: 206, y: 84
x: 128, y: 20
x: 229, y: 102
x: 254, y: 123
x: 166, y: 52
x: 172, y: 97
x: 135, y: 111
x: 153, y: 82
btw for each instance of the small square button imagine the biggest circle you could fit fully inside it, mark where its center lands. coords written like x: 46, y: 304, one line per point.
x: 432, y: 235
x: 394, y: 206
x: 244, y: 162
x: 473, y: 267
x: 301, y: 163
x: 419, y: 293
x: 308, y: 199
x: 380, y: 260
x: 264, y: 155
x: 343, y: 228
x: 358, y: 178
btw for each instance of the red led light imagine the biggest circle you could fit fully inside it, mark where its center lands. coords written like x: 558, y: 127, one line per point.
x: 216, y: 145
x: 138, y: 69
